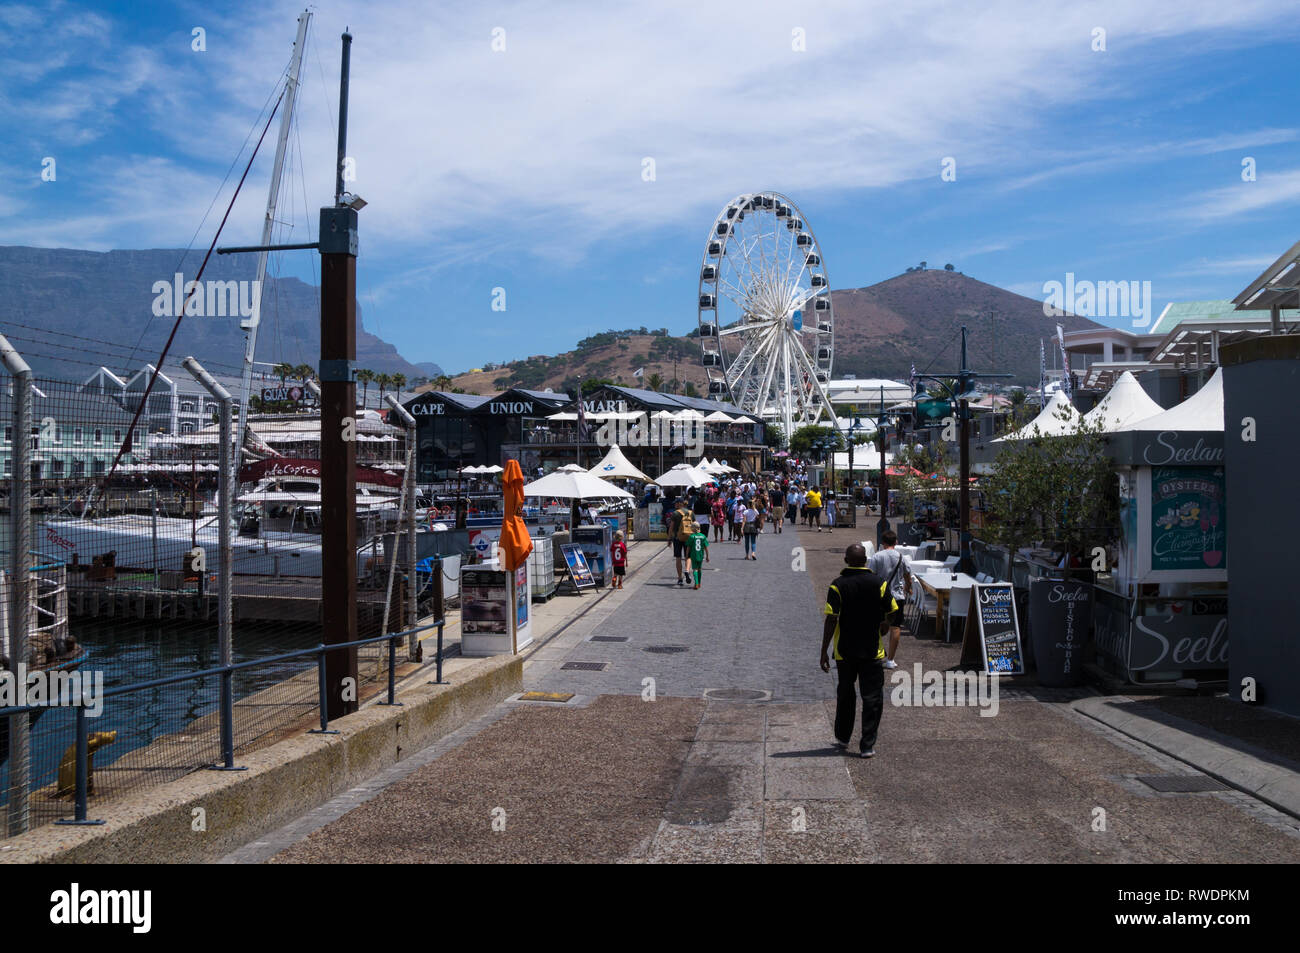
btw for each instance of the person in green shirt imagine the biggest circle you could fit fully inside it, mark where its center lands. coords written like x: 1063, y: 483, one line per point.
x: 697, y: 548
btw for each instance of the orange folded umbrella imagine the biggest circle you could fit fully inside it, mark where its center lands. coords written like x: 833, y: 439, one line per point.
x: 515, y: 542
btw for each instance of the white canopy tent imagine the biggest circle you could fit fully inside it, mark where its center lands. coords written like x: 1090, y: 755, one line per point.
x: 1124, y: 404
x: 1202, y: 411
x: 616, y: 464
x: 1058, y: 417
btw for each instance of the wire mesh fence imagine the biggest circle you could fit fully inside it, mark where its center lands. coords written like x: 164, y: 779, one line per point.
x: 123, y: 557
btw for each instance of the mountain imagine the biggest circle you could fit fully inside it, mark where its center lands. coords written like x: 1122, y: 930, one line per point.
x: 880, y: 331
x: 429, y: 369
x: 69, y: 311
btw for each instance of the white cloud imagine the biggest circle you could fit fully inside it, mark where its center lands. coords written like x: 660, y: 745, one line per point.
x: 1266, y: 194
x: 467, y: 154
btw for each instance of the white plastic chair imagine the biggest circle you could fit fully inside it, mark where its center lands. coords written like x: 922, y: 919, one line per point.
x: 951, y: 561
x: 958, y: 606
x: 922, y: 603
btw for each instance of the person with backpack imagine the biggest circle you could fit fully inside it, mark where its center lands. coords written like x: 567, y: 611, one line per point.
x: 679, y: 525
x: 890, y: 564
x: 857, y: 603
x: 698, y: 550
x: 738, y: 518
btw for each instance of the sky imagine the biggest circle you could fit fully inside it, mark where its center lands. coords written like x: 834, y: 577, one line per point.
x: 576, y: 155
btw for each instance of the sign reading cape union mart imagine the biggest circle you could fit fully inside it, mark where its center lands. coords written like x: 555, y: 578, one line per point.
x: 1188, y: 518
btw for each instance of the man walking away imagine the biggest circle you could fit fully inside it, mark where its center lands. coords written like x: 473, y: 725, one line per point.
x: 698, y: 548
x: 856, y: 604
x: 678, y: 533
x: 815, y: 509
x: 892, y: 565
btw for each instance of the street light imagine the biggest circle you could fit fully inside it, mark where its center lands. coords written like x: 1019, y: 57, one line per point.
x: 964, y: 392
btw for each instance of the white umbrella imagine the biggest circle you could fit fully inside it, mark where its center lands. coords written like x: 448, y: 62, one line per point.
x: 684, y: 475
x: 663, y: 415
x: 571, y: 468
x: 492, y: 469
x: 474, y: 470
x: 719, y: 417
x: 574, y: 486
x: 690, y: 415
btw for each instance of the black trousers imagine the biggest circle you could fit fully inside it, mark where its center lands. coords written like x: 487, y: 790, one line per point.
x: 869, y: 677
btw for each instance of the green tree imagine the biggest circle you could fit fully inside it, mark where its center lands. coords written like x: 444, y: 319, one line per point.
x: 283, y: 371
x: 399, y: 381
x: 594, y: 383
x: 801, y: 441
x: 1060, y: 490
x: 655, y: 382
x: 441, y: 382
x: 690, y: 390
x: 773, y: 436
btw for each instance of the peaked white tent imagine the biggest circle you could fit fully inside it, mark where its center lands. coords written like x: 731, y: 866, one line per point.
x: 1049, y: 421
x: 1202, y: 411
x: 1125, y: 403
x: 616, y: 464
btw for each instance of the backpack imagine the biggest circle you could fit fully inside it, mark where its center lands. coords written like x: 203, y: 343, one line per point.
x: 683, y: 529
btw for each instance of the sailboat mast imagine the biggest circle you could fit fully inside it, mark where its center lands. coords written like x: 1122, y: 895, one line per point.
x: 249, y: 325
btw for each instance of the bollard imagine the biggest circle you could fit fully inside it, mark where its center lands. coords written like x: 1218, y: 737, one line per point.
x: 81, y: 796
x: 227, y: 724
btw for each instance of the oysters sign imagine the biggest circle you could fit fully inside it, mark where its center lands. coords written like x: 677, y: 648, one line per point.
x: 1188, y: 528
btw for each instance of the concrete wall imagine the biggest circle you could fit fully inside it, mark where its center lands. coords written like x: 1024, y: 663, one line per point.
x: 281, y: 782
x: 1261, y: 380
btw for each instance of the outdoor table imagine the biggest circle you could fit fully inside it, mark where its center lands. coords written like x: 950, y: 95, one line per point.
x: 925, y: 565
x: 939, y: 585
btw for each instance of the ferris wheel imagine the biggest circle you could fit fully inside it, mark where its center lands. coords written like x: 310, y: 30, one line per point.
x: 767, y: 328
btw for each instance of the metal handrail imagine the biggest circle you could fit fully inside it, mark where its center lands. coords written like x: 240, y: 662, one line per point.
x: 226, y: 672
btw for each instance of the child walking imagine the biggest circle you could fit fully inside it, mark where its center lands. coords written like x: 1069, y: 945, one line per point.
x: 618, y: 559
x: 697, y: 547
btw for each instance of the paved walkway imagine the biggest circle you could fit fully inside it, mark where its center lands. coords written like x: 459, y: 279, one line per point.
x: 702, y: 773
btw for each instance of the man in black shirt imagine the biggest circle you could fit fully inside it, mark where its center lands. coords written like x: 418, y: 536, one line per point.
x: 857, y: 602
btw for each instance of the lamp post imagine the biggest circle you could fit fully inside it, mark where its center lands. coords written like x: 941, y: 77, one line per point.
x: 961, y: 396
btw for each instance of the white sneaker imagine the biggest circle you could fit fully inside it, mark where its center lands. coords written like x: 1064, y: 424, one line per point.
x: 890, y: 663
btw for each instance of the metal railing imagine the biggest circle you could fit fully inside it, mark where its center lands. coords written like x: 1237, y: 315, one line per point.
x: 226, y: 674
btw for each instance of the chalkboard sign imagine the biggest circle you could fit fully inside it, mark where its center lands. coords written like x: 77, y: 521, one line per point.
x: 1060, y: 619
x: 576, y: 561
x: 1000, y: 651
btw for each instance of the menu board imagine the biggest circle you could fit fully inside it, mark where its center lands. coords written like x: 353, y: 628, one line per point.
x: 579, y: 571
x: 484, y: 601
x: 521, y: 596
x: 999, y: 629
x: 1188, y: 518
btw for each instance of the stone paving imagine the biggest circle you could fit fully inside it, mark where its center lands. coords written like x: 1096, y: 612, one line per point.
x: 613, y: 776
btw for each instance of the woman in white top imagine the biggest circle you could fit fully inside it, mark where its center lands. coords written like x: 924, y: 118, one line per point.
x: 750, y: 532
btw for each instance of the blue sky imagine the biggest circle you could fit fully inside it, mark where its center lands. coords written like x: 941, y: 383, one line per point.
x: 522, y: 168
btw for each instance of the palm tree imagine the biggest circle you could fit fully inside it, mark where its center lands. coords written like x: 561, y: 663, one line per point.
x: 441, y: 382
x: 656, y: 382
x: 384, y: 381
x: 366, y: 378
x: 399, y: 381
x: 305, y: 372
x: 283, y: 371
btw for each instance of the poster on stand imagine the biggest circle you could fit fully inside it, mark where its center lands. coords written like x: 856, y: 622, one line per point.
x: 1188, y: 519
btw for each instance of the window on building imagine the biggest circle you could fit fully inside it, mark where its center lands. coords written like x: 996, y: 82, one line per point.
x: 187, y: 428
x: 187, y: 407
x: 9, y: 434
x: 100, y: 467
x: 7, y: 473
x: 78, y: 468
x: 58, y: 468
x: 76, y: 435
x: 117, y: 436
x: 99, y: 435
